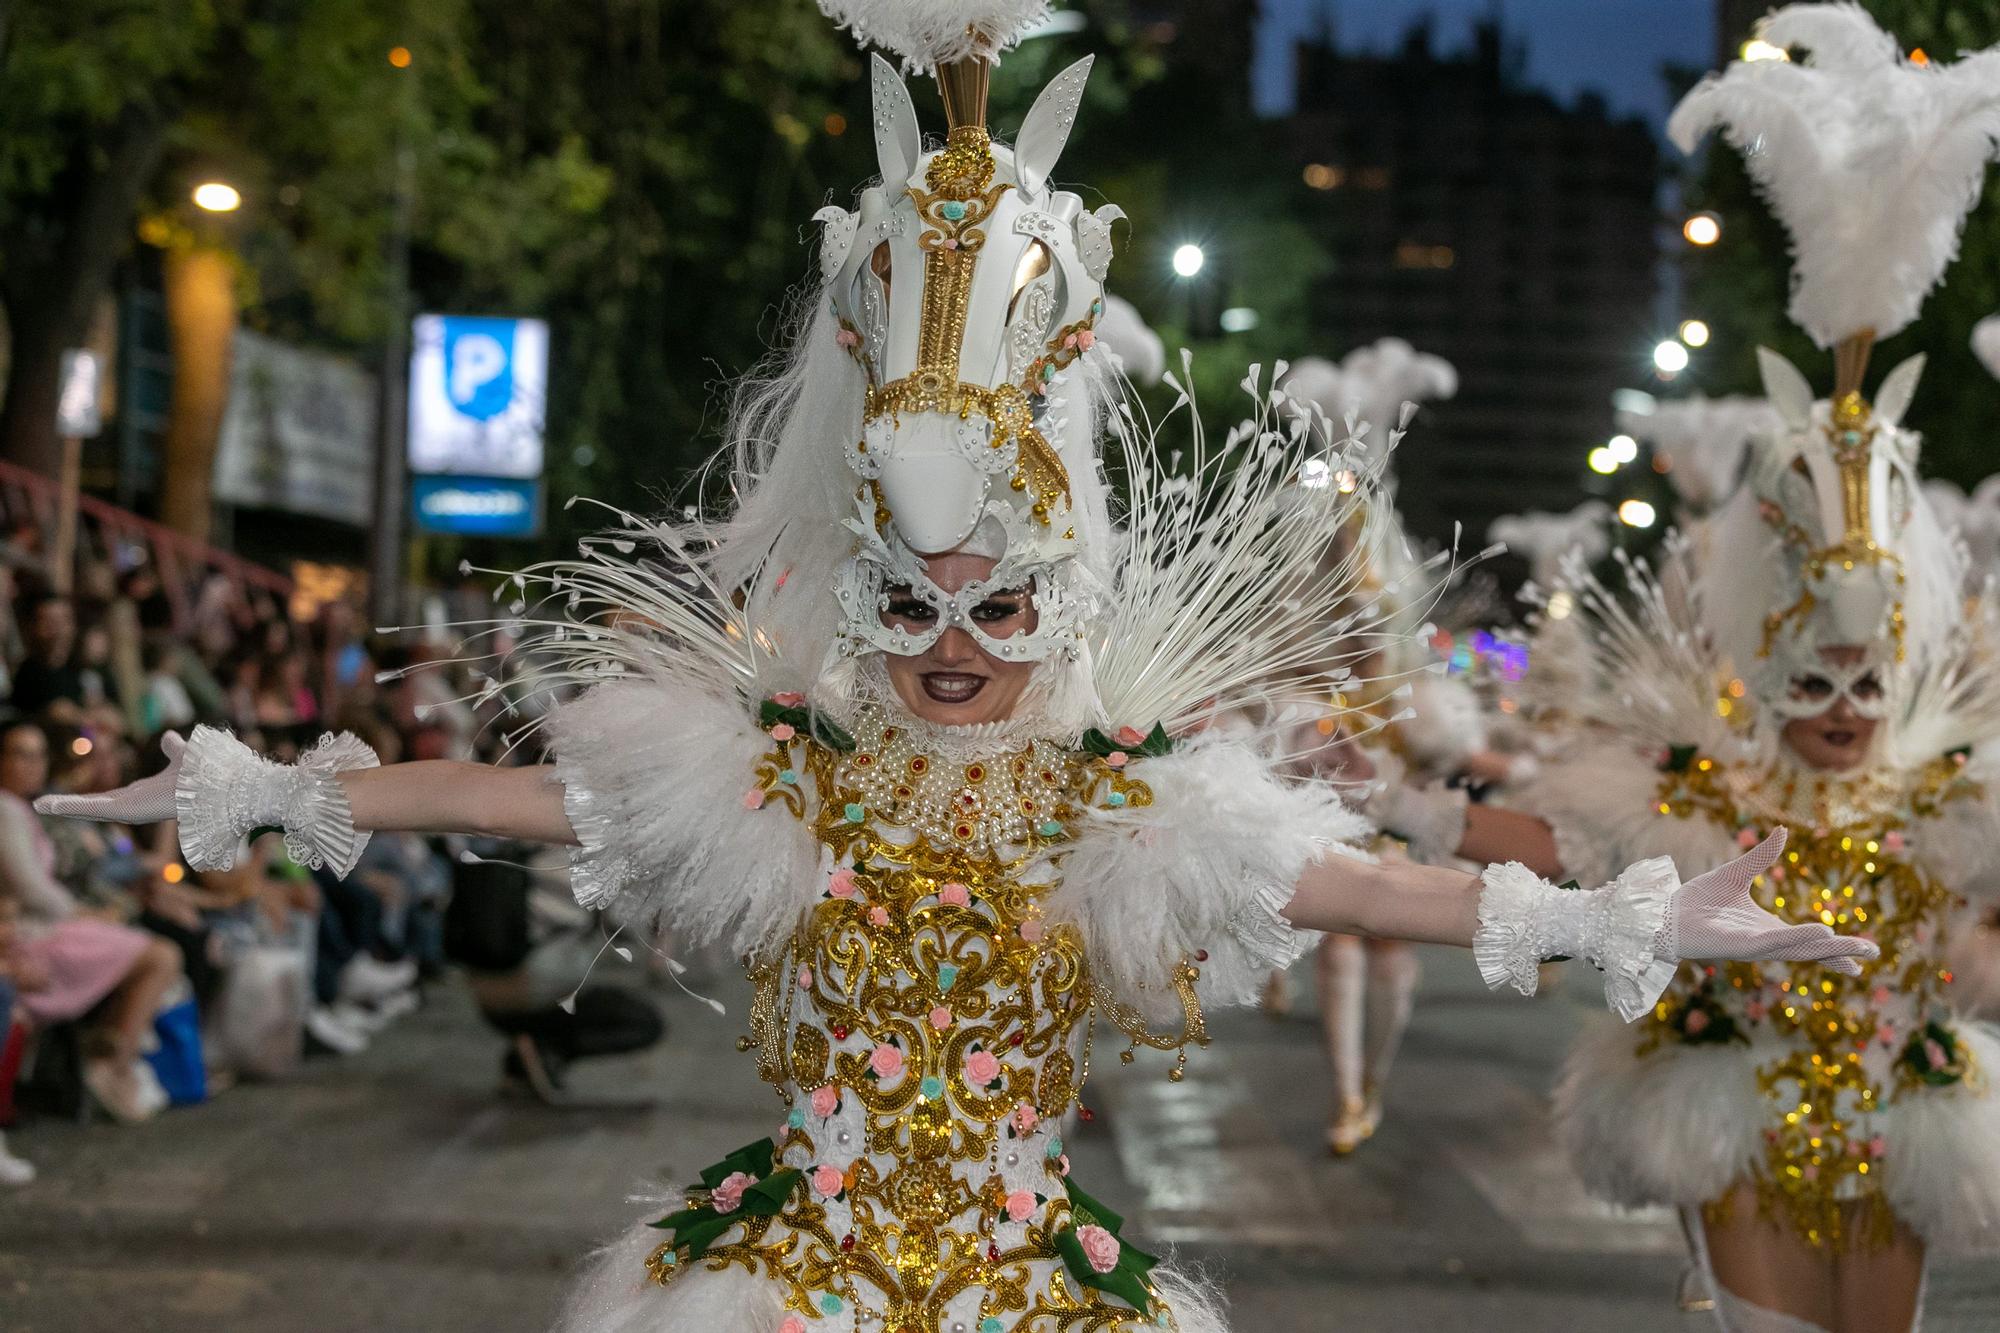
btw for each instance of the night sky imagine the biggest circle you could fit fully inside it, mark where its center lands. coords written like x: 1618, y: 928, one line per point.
x: 1614, y: 47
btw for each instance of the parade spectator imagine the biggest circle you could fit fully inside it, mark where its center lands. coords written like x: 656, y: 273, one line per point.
x: 51, y: 680
x: 76, y: 965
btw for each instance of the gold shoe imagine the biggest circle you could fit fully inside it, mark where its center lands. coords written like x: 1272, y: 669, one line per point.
x: 1351, y: 1128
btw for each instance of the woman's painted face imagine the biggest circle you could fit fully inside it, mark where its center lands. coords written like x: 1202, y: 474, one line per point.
x: 1838, y: 738
x: 955, y: 682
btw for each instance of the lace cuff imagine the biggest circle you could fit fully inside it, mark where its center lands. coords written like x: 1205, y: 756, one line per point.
x: 1524, y: 919
x: 225, y: 789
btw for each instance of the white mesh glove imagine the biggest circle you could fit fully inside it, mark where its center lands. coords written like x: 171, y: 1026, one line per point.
x: 219, y: 790
x: 1639, y: 927
x: 1714, y: 916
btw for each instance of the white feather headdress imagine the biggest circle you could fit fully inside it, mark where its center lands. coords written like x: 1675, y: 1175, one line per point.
x: 930, y: 33
x: 1372, y: 384
x: 1986, y: 343
x: 1703, y: 441
x: 1870, y: 161
x: 1547, y: 541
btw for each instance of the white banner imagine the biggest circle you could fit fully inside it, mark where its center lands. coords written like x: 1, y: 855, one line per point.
x: 299, y: 432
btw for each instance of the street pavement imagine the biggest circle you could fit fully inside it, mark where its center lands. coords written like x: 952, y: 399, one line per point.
x: 395, y: 1191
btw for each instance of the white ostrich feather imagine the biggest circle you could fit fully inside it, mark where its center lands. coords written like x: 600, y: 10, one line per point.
x: 1986, y: 343
x: 1871, y: 162
x: 1974, y: 520
x: 1121, y: 331
x: 1235, y: 583
x: 1373, y: 383
x: 929, y: 33
x: 1703, y: 440
x: 1546, y: 540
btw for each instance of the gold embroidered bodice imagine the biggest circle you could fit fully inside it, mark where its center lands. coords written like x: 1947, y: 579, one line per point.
x: 1834, y: 1050
x: 927, y: 1030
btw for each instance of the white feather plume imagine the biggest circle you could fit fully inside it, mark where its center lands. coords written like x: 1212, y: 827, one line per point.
x: 1986, y: 343
x: 1703, y: 440
x: 1372, y: 383
x: 1546, y: 540
x: 1141, y: 354
x: 929, y: 33
x: 1235, y: 580
x: 1870, y: 161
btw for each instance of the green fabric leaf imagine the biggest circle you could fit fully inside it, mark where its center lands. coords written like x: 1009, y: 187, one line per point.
x: 1155, y: 744
x: 752, y: 1159
x: 768, y: 1197
x: 1127, y: 1278
x: 807, y: 723
x: 1679, y: 757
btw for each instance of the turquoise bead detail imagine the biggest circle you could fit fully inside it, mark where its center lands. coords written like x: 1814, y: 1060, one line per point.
x: 790, y: 777
x: 830, y: 1303
x: 1050, y: 828
x: 1116, y: 798
x: 989, y: 1325
x: 952, y: 209
x: 855, y: 813
x: 947, y: 973
x: 797, y: 1119
x: 1055, y: 1148
x: 1048, y: 373
x: 932, y: 1087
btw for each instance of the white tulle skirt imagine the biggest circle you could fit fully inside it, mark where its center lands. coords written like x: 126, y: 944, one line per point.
x: 1683, y: 1124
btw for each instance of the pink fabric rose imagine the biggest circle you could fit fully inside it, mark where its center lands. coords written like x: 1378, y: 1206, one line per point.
x: 1694, y: 1023
x: 1085, y: 339
x: 981, y: 1068
x: 1031, y: 930
x: 1879, y: 996
x: 805, y: 978
x: 825, y: 1100
x: 1934, y: 1054
x: 788, y: 699
x: 728, y: 1196
x: 841, y: 883
x: 1020, y: 1205
x: 886, y: 1061
x: 1809, y: 1171
x: 784, y: 731
x: 1755, y: 1011
x: 1747, y: 837
x: 753, y: 799
x: 1893, y: 841
x: 1117, y: 759
x: 878, y: 916
x: 1026, y: 1118
x: 1100, y: 1247
x: 940, y: 1018
x: 827, y: 1181
x: 1886, y: 1033
x: 847, y: 338
x: 1878, y: 1147
x: 792, y: 1324
x: 954, y: 895
x: 1062, y: 1165
x: 1130, y: 736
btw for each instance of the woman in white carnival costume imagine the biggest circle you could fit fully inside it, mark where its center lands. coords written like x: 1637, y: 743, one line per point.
x: 1811, y: 663
x: 936, y: 804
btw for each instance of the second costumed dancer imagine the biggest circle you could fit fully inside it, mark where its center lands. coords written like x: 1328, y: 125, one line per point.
x: 917, y: 730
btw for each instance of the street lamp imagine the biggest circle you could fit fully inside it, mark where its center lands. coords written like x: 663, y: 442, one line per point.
x: 1636, y: 514
x: 1188, y: 260
x: 1601, y: 461
x: 1702, y: 229
x: 1694, y: 333
x: 217, y: 197
x: 1623, y: 448
x: 1670, y: 358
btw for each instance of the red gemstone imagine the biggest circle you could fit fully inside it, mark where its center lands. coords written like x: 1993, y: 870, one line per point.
x: 839, y: 1032
x: 1015, y: 1038
x: 1085, y: 1114
x: 1201, y: 955
x: 847, y: 1242
x: 993, y: 1253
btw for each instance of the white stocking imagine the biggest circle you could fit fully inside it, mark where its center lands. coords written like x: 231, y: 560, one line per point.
x: 1343, y: 983
x: 1392, y: 991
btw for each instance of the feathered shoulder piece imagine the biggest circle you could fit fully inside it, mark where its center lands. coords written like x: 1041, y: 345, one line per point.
x: 930, y: 33
x: 1243, y: 576
x: 1871, y: 160
x: 1646, y: 669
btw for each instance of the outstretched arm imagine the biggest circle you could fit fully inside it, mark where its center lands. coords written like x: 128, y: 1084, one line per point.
x: 1636, y: 929
x: 449, y: 796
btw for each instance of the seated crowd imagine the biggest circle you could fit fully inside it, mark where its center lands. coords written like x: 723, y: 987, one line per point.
x: 129, y: 982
